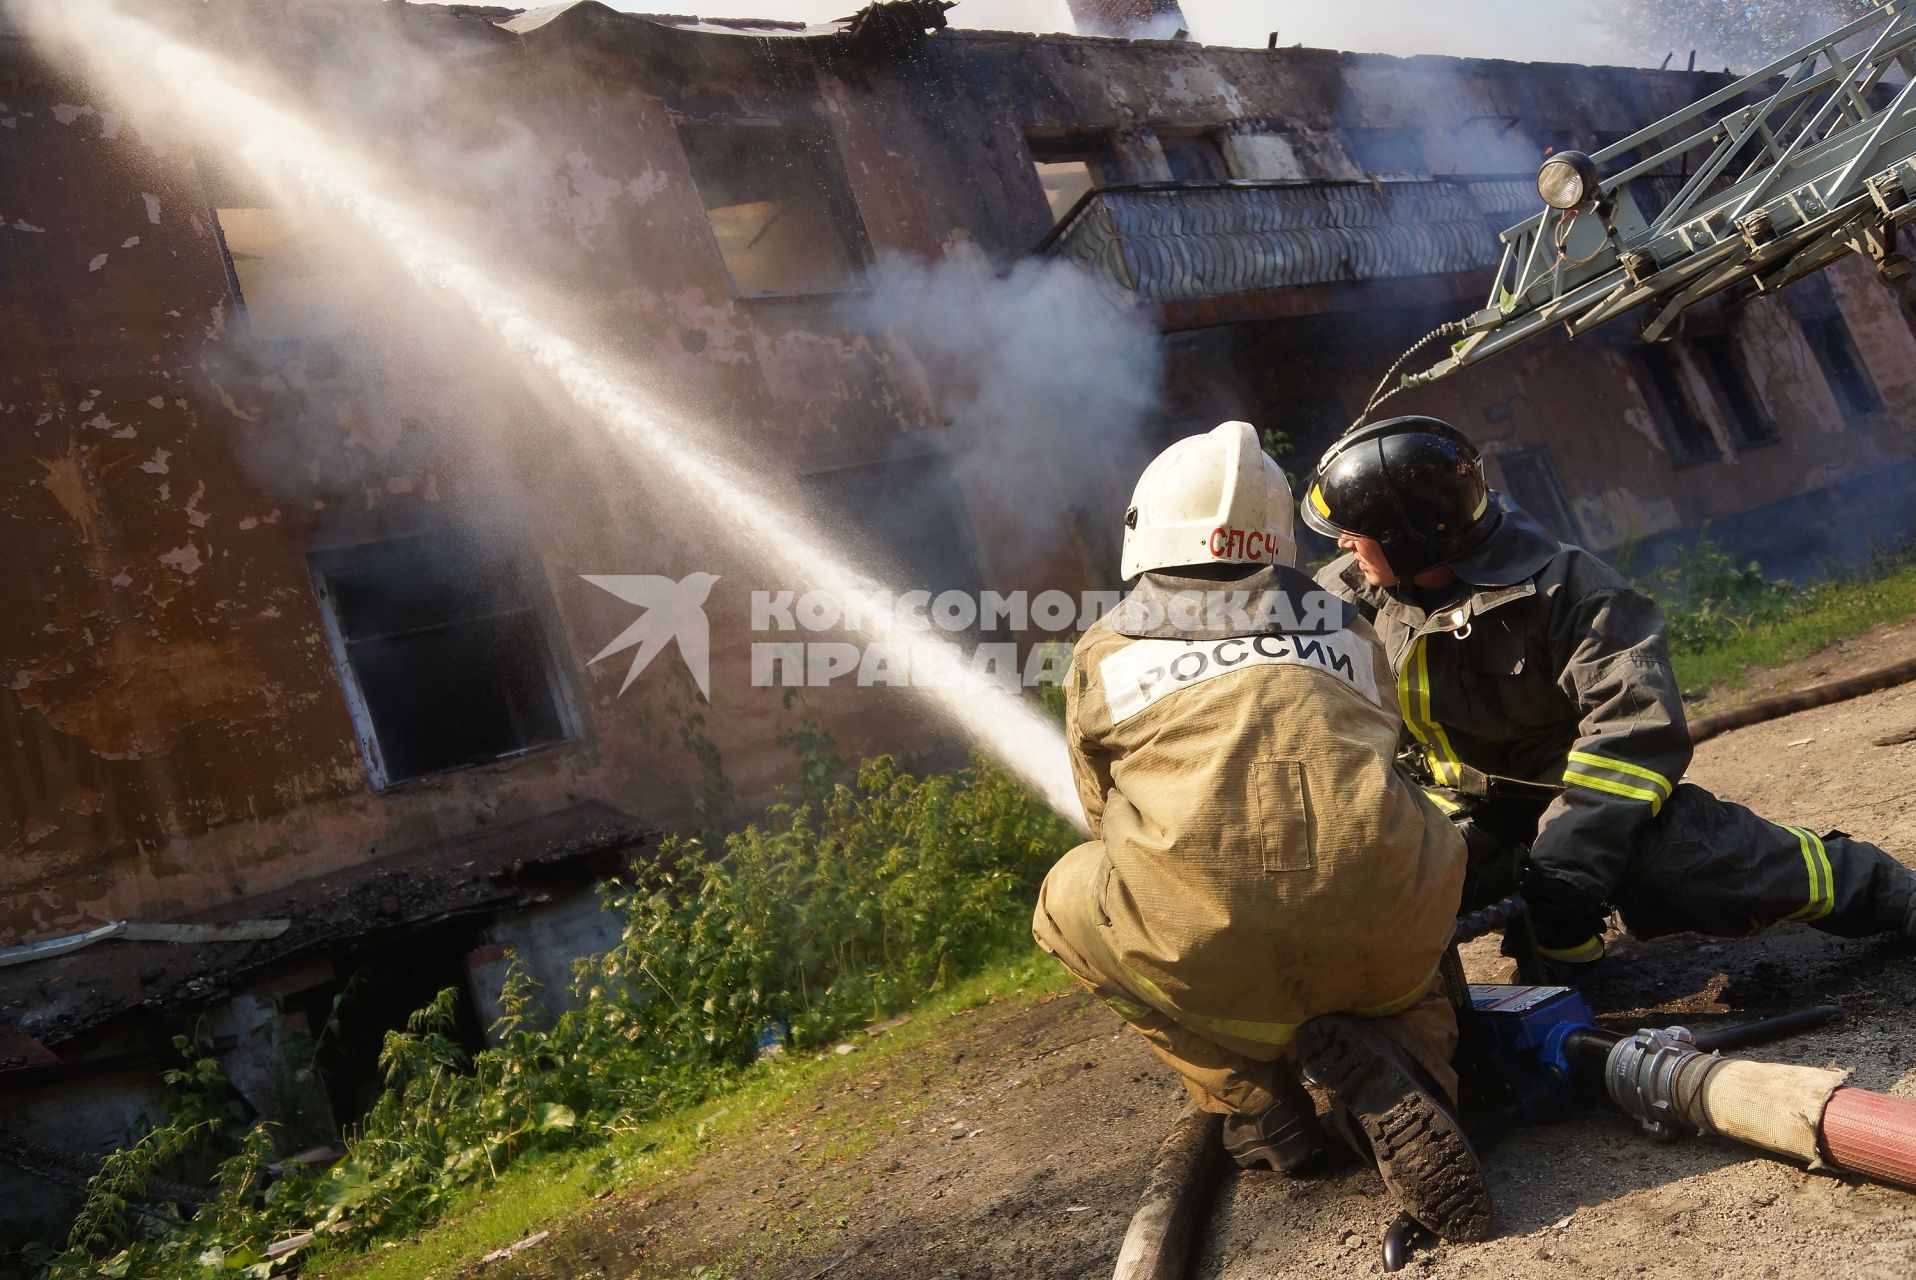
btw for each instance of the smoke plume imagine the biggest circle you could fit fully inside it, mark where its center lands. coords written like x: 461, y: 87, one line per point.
x: 1050, y: 381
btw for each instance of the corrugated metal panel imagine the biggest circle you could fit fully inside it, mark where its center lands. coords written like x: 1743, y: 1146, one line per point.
x: 1184, y: 242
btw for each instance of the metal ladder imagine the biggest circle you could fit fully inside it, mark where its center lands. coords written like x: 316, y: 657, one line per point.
x: 1784, y: 171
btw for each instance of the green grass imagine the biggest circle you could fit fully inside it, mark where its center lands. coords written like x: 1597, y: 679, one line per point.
x: 542, y: 1192
x: 1826, y: 614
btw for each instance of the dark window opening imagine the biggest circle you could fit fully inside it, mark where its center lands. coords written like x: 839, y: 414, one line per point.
x: 1842, y: 365
x: 381, y: 984
x: 1720, y: 358
x: 445, y: 654
x: 1386, y: 150
x: 1531, y: 479
x: 1193, y: 158
x: 778, y: 206
x: 1069, y: 167
x: 912, y: 530
x: 1685, y: 432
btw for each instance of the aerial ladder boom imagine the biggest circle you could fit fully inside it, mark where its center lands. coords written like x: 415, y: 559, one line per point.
x: 1782, y: 172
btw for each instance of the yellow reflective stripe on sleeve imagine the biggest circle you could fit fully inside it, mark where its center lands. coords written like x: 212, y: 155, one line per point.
x: 1583, y: 953
x: 1816, y: 861
x: 1610, y: 786
x: 1443, y: 802
x: 1651, y: 776
x: 1129, y: 1010
x: 1273, y: 1033
x: 1413, y: 701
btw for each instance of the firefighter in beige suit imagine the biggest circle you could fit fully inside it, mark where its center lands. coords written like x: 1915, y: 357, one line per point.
x: 1258, y: 860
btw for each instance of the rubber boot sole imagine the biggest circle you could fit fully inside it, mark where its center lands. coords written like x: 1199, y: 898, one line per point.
x: 1422, y: 1155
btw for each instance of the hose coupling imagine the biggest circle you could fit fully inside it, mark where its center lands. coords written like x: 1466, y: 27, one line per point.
x: 1654, y: 1074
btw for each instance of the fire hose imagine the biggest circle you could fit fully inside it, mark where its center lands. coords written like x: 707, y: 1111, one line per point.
x: 1785, y: 704
x: 1543, y: 1046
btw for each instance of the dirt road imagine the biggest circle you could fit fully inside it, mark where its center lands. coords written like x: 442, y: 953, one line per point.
x: 1014, y: 1144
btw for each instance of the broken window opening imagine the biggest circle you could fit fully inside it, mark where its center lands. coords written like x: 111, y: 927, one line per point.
x: 1397, y: 151
x: 778, y: 205
x: 1686, y: 435
x: 1193, y: 157
x: 1533, y: 482
x: 1720, y: 359
x: 286, y: 277
x: 383, y: 980
x: 444, y: 652
x: 1069, y: 167
x: 1842, y: 365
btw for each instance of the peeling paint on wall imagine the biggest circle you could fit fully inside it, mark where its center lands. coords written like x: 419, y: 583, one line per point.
x: 66, y: 480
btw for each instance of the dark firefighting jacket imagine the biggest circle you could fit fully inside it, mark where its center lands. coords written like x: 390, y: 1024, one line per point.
x: 1544, y: 667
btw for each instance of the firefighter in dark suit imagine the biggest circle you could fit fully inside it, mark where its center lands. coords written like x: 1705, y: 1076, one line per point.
x: 1535, y: 684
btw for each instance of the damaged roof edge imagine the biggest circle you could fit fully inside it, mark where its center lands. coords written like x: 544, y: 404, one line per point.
x: 882, y: 16
x: 585, y: 12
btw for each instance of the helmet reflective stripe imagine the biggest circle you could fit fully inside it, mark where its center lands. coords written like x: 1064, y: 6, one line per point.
x: 1214, y: 498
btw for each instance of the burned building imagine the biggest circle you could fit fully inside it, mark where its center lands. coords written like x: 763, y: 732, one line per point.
x: 309, y: 623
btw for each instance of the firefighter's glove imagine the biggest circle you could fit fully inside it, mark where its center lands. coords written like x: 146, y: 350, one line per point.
x: 1567, y: 921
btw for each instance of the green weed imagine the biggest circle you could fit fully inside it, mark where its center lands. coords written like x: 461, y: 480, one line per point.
x: 850, y: 903
x: 1727, y: 619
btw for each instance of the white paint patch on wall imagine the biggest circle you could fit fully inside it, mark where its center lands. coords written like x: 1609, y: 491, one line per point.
x: 1261, y: 155
x: 67, y: 113
x: 129, y: 242
x: 152, y: 207
x: 99, y: 260
x: 186, y: 559
x: 197, y: 517
x: 1615, y: 515
x: 649, y: 183
x: 583, y: 195
x: 156, y: 465
x: 21, y: 224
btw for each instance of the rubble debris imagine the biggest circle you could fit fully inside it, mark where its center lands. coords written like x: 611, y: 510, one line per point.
x: 481, y: 871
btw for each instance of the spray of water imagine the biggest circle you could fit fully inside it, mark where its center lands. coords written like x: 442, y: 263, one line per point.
x: 157, y: 75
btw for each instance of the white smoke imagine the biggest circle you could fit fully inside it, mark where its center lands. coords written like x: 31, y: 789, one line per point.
x: 159, y: 78
x: 1045, y: 364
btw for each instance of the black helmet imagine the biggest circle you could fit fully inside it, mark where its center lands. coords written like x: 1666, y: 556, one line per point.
x: 1414, y: 484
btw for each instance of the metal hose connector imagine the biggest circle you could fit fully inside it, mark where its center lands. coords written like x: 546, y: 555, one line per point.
x: 1658, y: 1077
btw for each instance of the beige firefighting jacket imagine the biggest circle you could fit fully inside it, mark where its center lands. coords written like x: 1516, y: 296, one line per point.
x: 1266, y: 859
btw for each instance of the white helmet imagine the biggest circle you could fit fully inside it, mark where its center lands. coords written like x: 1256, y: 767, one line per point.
x: 1210, y: 499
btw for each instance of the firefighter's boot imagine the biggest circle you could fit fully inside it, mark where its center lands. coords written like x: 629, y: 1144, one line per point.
x: 1285, y: 1137
x: 1387, y: 1111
